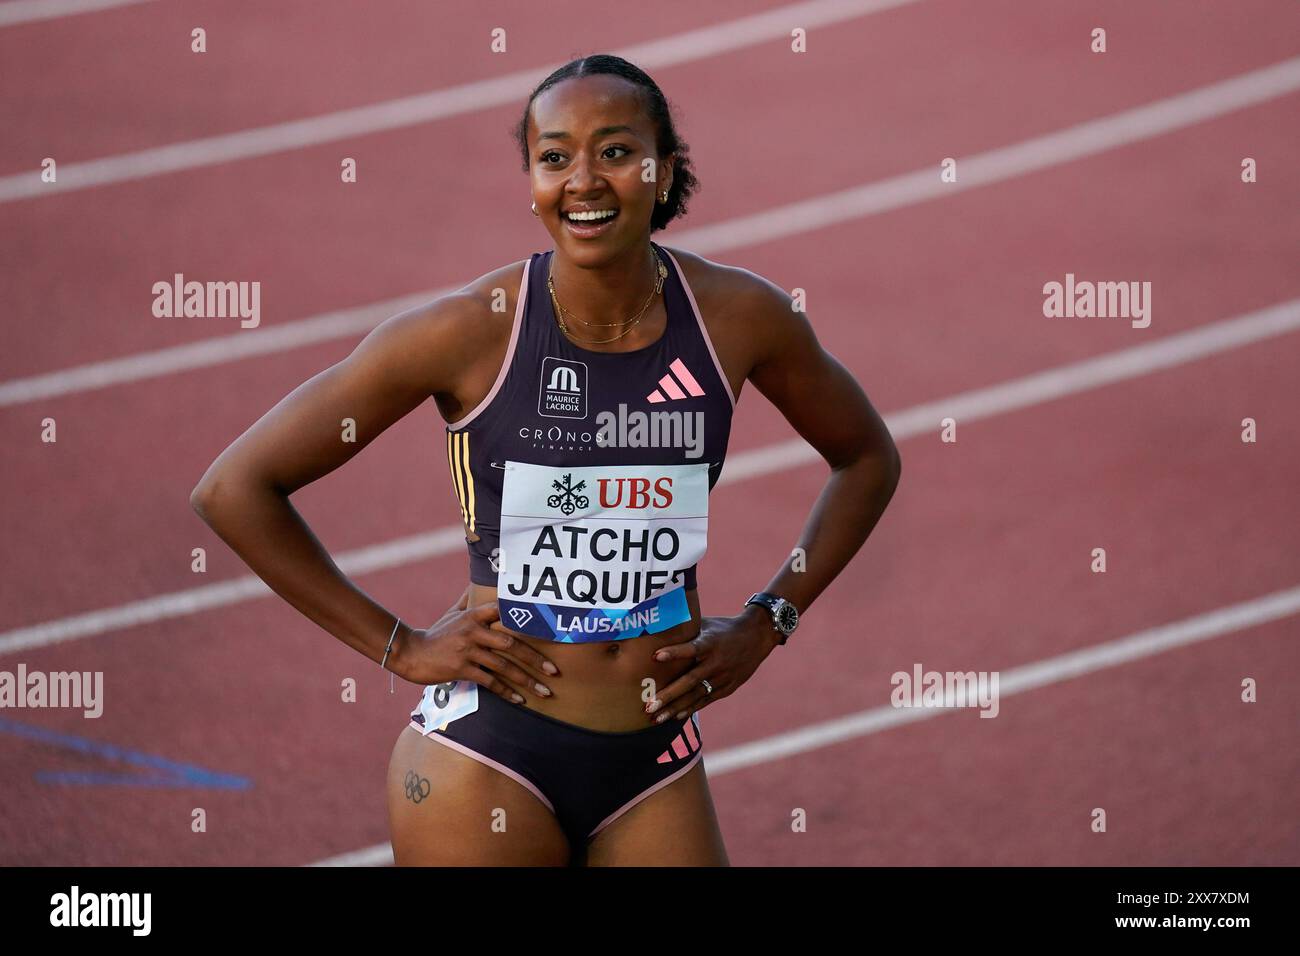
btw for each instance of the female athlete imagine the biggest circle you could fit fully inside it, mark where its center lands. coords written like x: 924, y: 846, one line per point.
x: 587, y: 393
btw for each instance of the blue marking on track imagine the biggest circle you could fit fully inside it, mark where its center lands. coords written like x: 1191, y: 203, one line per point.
x: 161, y: 772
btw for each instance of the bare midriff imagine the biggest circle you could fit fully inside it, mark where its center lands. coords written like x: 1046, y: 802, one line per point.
x: 602, y: 685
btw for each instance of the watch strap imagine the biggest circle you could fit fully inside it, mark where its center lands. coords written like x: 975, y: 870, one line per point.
x: 772, y: 602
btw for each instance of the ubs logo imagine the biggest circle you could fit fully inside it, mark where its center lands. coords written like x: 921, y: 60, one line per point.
x: 640, y: 493
x: 568, y: 497
x: 632, y: 494
x: 563, y: 392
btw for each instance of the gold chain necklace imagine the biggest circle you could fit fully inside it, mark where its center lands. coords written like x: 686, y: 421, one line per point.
x: 661, y: 273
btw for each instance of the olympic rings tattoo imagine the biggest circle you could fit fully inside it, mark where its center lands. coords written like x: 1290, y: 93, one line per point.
x: 417, y: 788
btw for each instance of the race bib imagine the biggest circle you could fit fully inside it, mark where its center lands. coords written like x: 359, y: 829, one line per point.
x: 443, y: 703
x: 599, y: 553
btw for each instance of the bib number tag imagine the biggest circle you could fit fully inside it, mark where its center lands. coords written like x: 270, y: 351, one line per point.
x: 599, y: 553
x: 443, y: 703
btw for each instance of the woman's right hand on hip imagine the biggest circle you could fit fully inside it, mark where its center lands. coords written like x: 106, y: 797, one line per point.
x: 462, y: 645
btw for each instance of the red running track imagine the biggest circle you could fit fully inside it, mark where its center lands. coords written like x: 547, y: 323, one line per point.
x: 981, y: 563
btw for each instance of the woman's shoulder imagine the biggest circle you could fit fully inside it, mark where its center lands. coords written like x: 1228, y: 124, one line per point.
x: 725, y: 290
x: 494, y: 293
x: 477, y: 312
x: 451, y: 335
x: 742, y: 311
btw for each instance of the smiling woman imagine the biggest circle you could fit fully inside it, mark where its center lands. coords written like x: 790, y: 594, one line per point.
x: 559, y: 719
x: 644, y: 148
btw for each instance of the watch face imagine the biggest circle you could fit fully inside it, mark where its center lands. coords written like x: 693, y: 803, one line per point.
x: 787, y: 617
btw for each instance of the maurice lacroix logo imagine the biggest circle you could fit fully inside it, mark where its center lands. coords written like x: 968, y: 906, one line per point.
x: 564, y: 389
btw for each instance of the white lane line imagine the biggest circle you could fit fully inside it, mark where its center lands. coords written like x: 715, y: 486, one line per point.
x: 972, y: 405
x: 248, y: 587
x: 427, y: 107
x: 1053, y: 670
x: 1006, y: 162
x: 923, y: 185
x: 206, y: 353
x: 29, y: 11
x: 1040, y: 387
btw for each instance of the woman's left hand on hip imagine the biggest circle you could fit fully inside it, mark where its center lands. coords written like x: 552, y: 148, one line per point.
x: 726, y: 652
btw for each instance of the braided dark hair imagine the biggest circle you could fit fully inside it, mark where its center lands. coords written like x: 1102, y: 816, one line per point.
x: 667, y: 141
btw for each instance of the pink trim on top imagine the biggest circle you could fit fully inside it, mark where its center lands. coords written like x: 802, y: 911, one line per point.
x: 645, y: 793
x: 474, y: 754
x: 510, y: 352
x: 690, y: 296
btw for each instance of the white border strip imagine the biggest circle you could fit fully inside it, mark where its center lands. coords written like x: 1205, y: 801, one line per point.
x: 870, y: 199
x: 1053, y: 670
x: 966, y: 406
x: 698, y: 44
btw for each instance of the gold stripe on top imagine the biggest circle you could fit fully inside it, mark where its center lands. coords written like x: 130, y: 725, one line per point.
x: 462, y: 476
x: 469, y: 480
x: 455, y: 479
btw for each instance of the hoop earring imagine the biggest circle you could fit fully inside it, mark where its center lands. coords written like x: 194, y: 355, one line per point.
x: 535, y: 212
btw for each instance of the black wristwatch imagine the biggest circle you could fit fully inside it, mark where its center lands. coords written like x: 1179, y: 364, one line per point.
x: 785, y: 616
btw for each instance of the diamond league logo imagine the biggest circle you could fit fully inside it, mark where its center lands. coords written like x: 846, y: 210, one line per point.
x: 519, y: 616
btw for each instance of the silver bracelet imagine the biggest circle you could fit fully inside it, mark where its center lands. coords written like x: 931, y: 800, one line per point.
x: 396, y: 625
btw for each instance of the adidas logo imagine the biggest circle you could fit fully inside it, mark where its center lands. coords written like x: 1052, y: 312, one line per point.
x: 683, y: 745
x: 678, y: 379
